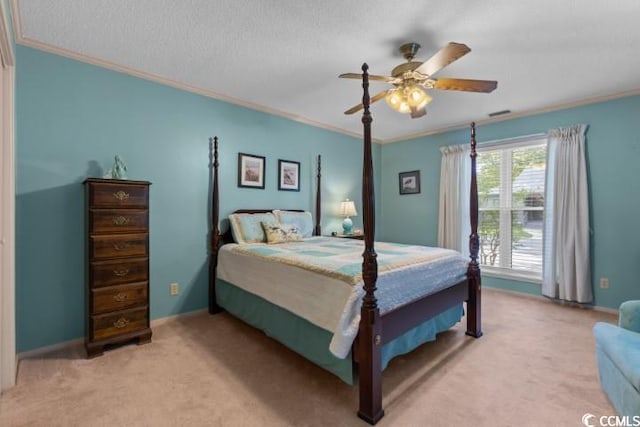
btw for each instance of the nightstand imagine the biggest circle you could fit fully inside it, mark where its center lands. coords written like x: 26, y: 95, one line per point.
x: 349, y: 236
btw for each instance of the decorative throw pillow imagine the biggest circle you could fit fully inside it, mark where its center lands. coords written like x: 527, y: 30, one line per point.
x: 281, y: 233
x: 302, y: 220
x: 247, y: 228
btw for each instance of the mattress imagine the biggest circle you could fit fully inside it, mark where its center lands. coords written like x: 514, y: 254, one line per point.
x: 320, y: 279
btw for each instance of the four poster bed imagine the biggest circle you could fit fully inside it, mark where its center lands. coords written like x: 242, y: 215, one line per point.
x: 357, y: 336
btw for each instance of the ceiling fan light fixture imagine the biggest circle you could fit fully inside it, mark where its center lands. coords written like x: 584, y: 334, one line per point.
x: 412, y: 78
x: 404, y: 107
x: 404, y: 99
x: 416, y: 97
x: 395, y: 98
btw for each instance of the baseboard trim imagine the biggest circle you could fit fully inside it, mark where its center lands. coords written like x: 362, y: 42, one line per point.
x: 161, y: 321
x: 545, y: 299
x: 41, y: 351
x: 79, y: 342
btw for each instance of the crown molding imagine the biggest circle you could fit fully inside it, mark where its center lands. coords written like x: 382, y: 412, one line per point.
x: 548, y: 109
x: 25, y: 41
x: 178, y: 85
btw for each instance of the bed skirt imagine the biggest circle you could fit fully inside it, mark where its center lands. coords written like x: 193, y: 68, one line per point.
x: 311, y: 341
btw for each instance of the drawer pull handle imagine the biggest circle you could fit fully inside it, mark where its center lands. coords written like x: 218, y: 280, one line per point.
x: 121, y: 195
x: 121, y: 220
x: 120, y: 297
x: 121, y: 323
x: 120, y: 272
x: 120, y: 246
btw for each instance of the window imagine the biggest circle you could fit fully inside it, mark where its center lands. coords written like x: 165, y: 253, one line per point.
x: 511, y: 179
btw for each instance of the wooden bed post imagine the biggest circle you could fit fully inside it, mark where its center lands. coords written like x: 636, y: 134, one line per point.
x: 370, y: 332
x: 318, y: 229
x: 474, y: 327
x: 215, y: 232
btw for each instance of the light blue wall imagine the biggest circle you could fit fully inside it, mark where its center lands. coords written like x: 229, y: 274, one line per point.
x: 72, y: 118
x: 613, y: 156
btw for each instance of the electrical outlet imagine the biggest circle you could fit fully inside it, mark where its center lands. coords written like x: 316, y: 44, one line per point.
x: 604, y: 283
x: 173, y: 289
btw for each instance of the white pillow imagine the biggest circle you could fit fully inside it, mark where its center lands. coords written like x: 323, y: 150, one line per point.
x: 247, y: 227
x: 302, y: 220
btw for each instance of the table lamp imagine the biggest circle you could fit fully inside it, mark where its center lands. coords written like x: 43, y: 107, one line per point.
x: 347, y: 209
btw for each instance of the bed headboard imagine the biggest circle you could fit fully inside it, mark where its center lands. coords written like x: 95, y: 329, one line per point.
x: 227, y: 237
x: 218, y: 238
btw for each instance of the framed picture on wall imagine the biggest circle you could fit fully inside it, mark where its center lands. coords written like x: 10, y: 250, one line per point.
x: 288, y: 175
x: 250, y: 170
x: 409, y: 182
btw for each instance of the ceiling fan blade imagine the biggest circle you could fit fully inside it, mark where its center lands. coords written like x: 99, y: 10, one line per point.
x: 371, y: 77
x: 416, y: 113
x: 465, y: 85
x: 444, y: 57
x: 374, y: 98
x: 354, y: 109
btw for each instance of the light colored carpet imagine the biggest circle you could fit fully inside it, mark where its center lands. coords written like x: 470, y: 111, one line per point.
x: 535, y: 366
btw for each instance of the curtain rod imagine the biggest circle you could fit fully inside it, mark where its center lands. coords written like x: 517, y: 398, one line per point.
x: 510, y: 141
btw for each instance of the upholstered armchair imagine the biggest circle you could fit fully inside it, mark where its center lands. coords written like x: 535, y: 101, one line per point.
x: 618, y: 354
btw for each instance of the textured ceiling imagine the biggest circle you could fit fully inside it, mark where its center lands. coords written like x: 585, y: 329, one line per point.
x: 284, y: 56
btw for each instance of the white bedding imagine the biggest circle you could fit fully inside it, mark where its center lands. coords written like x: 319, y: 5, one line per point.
x: 328, y: 301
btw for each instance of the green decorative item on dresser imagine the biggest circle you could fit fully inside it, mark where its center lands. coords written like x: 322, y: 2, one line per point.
x: 118, y: 171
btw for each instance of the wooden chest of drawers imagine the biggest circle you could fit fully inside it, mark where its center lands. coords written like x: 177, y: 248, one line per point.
x: 117, y: 291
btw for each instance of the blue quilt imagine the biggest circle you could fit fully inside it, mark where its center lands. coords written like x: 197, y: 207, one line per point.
x: 405, y: 273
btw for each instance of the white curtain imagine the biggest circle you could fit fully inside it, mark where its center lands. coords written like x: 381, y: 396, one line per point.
x: 455, y: 173
x: 566, y: 274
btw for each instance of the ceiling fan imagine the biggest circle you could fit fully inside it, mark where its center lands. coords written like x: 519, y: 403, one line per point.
x: 412, y: 77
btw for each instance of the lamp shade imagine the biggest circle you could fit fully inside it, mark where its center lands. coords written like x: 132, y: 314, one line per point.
x: 348, y: 208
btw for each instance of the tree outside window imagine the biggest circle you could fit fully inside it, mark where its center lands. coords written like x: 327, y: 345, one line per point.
x: 511, y: 202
